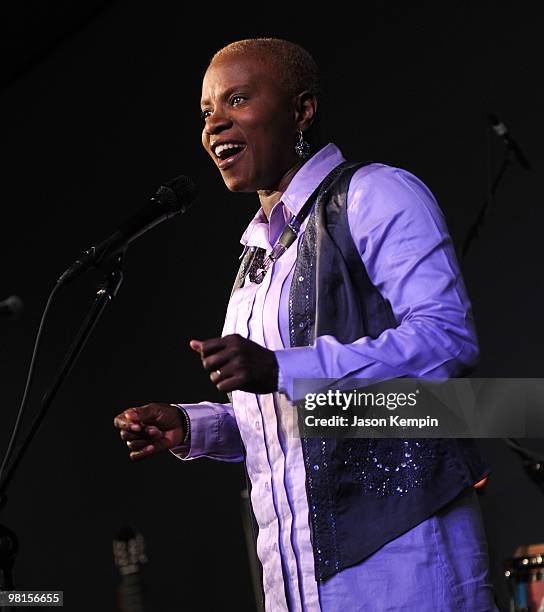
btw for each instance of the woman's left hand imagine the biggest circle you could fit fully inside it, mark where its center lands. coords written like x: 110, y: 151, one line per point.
x: 234, y: 362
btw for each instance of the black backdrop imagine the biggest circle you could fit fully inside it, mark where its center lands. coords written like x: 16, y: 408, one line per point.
x: 100, y: 107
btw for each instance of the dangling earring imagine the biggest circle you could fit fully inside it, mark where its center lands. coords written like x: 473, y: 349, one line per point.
x: 302, y: 147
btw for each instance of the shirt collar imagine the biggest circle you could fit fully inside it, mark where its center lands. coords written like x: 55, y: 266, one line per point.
x: 298, y: 191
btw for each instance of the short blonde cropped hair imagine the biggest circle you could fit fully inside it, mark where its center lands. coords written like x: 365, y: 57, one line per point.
x: 296, y: 68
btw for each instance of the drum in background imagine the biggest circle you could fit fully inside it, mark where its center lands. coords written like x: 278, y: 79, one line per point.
x: 525, y: 575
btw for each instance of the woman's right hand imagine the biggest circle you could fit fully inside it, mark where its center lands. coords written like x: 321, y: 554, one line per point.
x: 150, y: 428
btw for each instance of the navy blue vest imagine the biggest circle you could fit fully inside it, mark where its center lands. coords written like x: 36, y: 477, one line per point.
x: 362, y: 493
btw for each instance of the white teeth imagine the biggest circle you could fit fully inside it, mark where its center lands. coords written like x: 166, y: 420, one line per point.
x: 228, y: 145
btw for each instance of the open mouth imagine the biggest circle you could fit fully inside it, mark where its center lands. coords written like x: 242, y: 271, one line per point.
x: 228, y: 153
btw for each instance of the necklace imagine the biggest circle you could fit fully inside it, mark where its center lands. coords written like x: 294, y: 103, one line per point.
x: 258, y: 265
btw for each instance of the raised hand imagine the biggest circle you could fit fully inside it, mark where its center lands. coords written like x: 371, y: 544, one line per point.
x: 234, y: 362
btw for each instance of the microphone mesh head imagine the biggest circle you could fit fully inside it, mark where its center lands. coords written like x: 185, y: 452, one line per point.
x: 178, y: 194
x: 15, y: 305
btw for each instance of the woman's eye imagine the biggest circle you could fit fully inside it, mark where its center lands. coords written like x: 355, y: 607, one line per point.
x: 236, y: 100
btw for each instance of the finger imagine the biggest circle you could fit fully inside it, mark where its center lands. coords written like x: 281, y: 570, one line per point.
x: 196, y: 345
x: 125, y: 425
x: 154, y: 432
x: 209, y: 347
x: 118, y: 421
x: 129, y: 435
x: 128, y: 426
x: 126, y: 419
x: 233, y: 383
x: 226, y: 371
x: 137, y: 417
x: 133, y: 414
x: 137, y: 445
x: 150, y: 449
x: 216, y: 362
x: 149, y: 433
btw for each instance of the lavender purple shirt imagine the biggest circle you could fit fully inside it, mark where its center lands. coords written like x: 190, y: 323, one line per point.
x: 403, y: 241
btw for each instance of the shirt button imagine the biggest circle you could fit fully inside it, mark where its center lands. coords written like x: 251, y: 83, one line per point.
x: 267, y: 486
x: 276, y: 547
x: 257, y: 425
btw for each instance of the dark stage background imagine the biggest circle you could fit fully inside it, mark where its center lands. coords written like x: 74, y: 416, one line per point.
x: 100, y: 104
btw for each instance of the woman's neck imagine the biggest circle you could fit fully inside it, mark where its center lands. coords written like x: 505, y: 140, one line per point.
x: 269, y: 198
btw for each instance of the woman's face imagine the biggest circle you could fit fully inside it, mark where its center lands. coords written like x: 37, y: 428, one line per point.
x: 244, y: 105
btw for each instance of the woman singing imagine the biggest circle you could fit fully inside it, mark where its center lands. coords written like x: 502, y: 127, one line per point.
x: 347, y: 270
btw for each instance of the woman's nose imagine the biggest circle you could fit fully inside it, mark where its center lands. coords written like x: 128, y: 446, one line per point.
x: 217, y: 121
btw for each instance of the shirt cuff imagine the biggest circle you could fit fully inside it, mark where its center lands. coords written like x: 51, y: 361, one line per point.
x: 204, y: 423
x: 293, y: 363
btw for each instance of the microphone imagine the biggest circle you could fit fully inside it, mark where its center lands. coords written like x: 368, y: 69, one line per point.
x: 171, y: 199
x: 12, y: 306
x: 502, y: 131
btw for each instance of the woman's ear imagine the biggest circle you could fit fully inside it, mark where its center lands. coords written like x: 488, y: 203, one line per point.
x: 306, y: 109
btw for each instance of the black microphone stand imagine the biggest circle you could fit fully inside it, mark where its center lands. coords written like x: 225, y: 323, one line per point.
x: 511, y: 152
x: 107, y: 290
x: 475, y: 228
x: 533, y: 463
